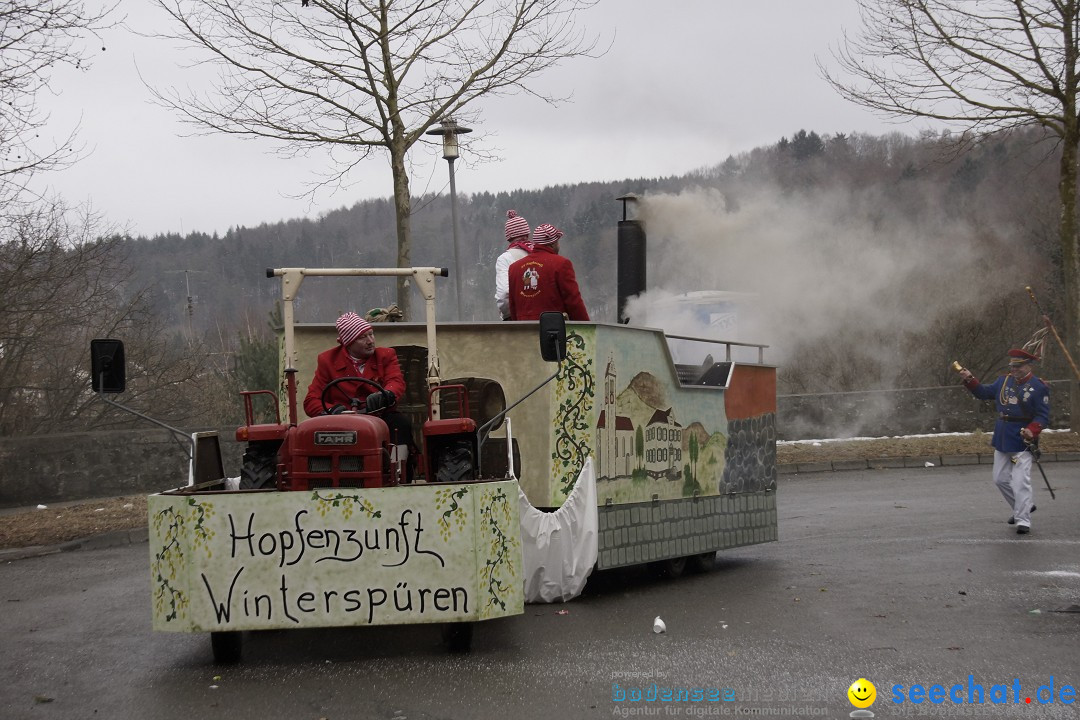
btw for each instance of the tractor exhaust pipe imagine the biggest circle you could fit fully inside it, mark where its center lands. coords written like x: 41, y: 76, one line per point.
x: 630, y: 269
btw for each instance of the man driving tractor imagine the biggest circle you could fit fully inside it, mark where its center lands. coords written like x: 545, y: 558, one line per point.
x: 377, y: 390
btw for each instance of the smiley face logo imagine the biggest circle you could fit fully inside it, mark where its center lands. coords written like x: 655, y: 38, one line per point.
x: 862, y: 693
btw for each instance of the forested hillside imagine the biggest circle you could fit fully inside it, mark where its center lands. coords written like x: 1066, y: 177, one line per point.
x: 959, y: 230
x: 875, y: 261
x: 228, y: 272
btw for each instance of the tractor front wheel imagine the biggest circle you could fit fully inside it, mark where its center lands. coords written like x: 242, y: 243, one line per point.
x: 228, y: 646
x: 458, y: 637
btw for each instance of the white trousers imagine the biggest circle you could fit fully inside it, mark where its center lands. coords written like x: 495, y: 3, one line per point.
x: 400, y: 455
x: 1012, y: 475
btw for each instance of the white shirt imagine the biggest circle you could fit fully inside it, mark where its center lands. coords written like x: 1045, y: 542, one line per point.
x: 502, y: 279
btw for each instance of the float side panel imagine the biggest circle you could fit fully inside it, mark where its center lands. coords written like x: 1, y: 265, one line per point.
x: 647, y: 532
x: 334, y: 557
x: 499, y: 568
x: 752, y: 392
x: 655, y: 438
x: 170, y: 535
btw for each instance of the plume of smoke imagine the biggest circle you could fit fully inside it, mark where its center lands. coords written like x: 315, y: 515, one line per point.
x: 837, y: 274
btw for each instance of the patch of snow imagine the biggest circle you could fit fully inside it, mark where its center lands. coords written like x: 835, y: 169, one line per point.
x: 819, y: 441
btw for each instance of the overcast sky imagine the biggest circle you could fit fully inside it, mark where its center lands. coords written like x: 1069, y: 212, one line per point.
x: 685, y: 84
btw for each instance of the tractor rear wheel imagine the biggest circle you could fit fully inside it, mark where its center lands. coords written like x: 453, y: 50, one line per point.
x: 455, y: 463
x: 259, y: 469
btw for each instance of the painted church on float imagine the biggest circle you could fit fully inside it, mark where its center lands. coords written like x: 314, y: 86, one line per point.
x: 662, y: 436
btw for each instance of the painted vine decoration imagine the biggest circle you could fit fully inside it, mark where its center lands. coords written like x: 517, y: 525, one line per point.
x: 497, y: 517
x: 348, y: 504
x: 200, y: 533
x: 576, y: 391
x: 455, y: 513
x: 166, y: 561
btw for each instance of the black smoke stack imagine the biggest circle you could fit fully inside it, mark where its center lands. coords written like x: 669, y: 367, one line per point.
x: 631, y: 258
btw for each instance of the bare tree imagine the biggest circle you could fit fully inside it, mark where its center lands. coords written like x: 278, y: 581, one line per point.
x: 984, y: 66
x: 365, y: 76
x: 36, y: 37
x: 63, y: 272
x: 62, y: 284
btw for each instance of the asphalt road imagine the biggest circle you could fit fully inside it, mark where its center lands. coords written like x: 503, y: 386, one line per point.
x: 904, y: 577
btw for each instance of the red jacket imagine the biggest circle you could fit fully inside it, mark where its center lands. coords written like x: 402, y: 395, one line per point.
x: 382, y: 367
x: 544, y: 281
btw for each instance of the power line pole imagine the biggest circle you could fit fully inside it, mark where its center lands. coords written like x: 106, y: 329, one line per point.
x: 191, y: 299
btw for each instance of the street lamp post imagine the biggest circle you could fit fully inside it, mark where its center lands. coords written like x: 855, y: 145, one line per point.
x: 450, y: 130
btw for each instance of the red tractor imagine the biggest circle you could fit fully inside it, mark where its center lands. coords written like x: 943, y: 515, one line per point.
x: 344, y: 449
x: 352, y: 448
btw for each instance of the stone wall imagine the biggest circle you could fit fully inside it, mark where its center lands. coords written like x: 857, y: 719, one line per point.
x: 46, y: 469
x: 43, y: 469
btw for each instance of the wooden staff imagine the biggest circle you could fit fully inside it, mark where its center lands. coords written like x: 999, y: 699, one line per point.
x: 1046, y: 319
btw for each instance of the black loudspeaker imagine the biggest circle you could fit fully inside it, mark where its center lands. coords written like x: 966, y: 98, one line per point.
x: 552, y: 336
x: 107, y: 372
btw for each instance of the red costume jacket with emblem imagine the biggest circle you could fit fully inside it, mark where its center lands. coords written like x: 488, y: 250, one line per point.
x: 382, y: 367
x: 544, y: 281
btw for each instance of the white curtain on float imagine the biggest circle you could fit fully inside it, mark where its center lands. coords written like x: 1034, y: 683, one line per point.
x: 559, y: 548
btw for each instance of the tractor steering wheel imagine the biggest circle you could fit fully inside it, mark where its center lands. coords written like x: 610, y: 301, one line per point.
x: 351, y: 400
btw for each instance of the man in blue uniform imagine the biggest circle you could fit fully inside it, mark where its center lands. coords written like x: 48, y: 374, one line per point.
x: 1023, y: 406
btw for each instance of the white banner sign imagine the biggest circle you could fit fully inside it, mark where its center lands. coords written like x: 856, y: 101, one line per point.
x: 333, y: 557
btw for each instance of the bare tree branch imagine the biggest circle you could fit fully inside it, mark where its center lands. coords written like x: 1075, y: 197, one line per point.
x: 364, y: 76
x: 35, y: 38
x: 985, y: 67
